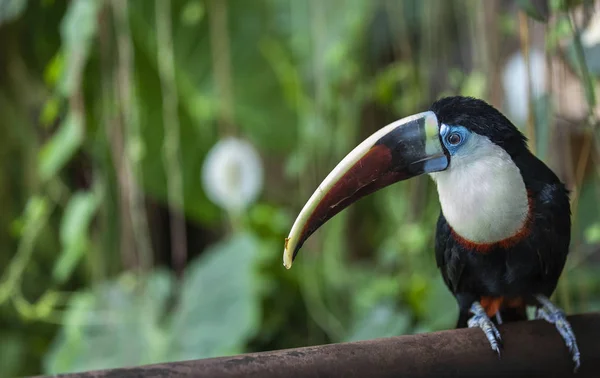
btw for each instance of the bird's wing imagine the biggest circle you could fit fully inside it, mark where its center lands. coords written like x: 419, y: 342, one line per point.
x: 552, y: 213
x: 447, y: 255
x: 551, y: 217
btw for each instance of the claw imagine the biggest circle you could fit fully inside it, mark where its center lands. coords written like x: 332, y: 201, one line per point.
x: 481, y: 320
x: 552, y: 314
x: 498, y: 318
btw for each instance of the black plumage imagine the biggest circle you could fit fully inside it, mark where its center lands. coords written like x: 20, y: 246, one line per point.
x: 510, y: 274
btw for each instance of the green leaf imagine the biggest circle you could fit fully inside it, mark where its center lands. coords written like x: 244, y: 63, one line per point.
x: 536, y: 9
x: 475, y: 85
x: 61, y: 147
x: 592, y: 234
x: 35, y: 210
x: 384, y: 320
x: 561, y: 30
x: 565, y: 5
x: 192, y: 13
x: 77, y: 30
x: 220, y: 301
x: 287, y: 73
x: 116, y: 325
x: 74, y: 233
x: 120, y: 323
x: 387, y: 81
x: 50, y: 111
x: 11, y: 9
x: 54, y: 69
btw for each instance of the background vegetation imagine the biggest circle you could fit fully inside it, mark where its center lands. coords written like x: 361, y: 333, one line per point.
x: 123, y: 241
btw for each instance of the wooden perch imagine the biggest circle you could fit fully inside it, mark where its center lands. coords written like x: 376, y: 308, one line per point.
x: 531, y: 349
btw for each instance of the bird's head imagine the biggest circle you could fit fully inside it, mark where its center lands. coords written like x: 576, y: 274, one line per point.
x: 454, y: 134
x: 466, y: 122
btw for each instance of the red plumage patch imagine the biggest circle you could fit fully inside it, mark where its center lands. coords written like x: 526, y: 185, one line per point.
x: 493, y: 304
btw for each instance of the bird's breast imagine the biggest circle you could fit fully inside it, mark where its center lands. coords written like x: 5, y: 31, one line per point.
x: 484, y: 199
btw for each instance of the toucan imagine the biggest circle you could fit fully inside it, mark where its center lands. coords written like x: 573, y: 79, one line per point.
x: 504, y: 227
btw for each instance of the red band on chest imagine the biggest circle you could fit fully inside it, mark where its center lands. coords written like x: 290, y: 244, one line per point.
x: 505, y: 243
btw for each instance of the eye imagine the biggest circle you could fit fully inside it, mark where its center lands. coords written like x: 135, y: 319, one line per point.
x: 454, y: 139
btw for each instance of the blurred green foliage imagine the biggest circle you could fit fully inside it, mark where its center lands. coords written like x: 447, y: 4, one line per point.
x: 88, y: 278
x: 125, y: 321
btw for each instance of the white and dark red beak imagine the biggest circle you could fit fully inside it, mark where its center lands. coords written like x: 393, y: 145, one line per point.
x: 403, y: 149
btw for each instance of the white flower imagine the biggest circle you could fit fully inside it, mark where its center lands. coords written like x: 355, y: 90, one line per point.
x: 591, y: 35
x: 232, y: 174
x: 514, y: 82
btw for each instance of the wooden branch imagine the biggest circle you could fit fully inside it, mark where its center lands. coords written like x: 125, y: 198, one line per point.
x: 531, y: 349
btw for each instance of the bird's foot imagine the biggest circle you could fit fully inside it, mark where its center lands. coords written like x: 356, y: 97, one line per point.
x: 552, y: 314
x: 481, y: 320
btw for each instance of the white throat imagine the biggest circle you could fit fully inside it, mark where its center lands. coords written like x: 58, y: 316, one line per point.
x: 482, y: 193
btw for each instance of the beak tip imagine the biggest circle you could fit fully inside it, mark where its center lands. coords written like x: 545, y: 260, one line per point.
x: 287, y: 255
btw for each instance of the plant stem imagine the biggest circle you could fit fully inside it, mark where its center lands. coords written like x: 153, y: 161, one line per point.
x: 128, y: 137
x: 524, y: 36
x: 171, y: 142
x: 221, y: 61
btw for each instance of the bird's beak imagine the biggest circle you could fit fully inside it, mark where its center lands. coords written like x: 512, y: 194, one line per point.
x: 403, y: 149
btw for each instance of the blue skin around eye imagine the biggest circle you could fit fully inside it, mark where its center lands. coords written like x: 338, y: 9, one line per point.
x: 462, y: 131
